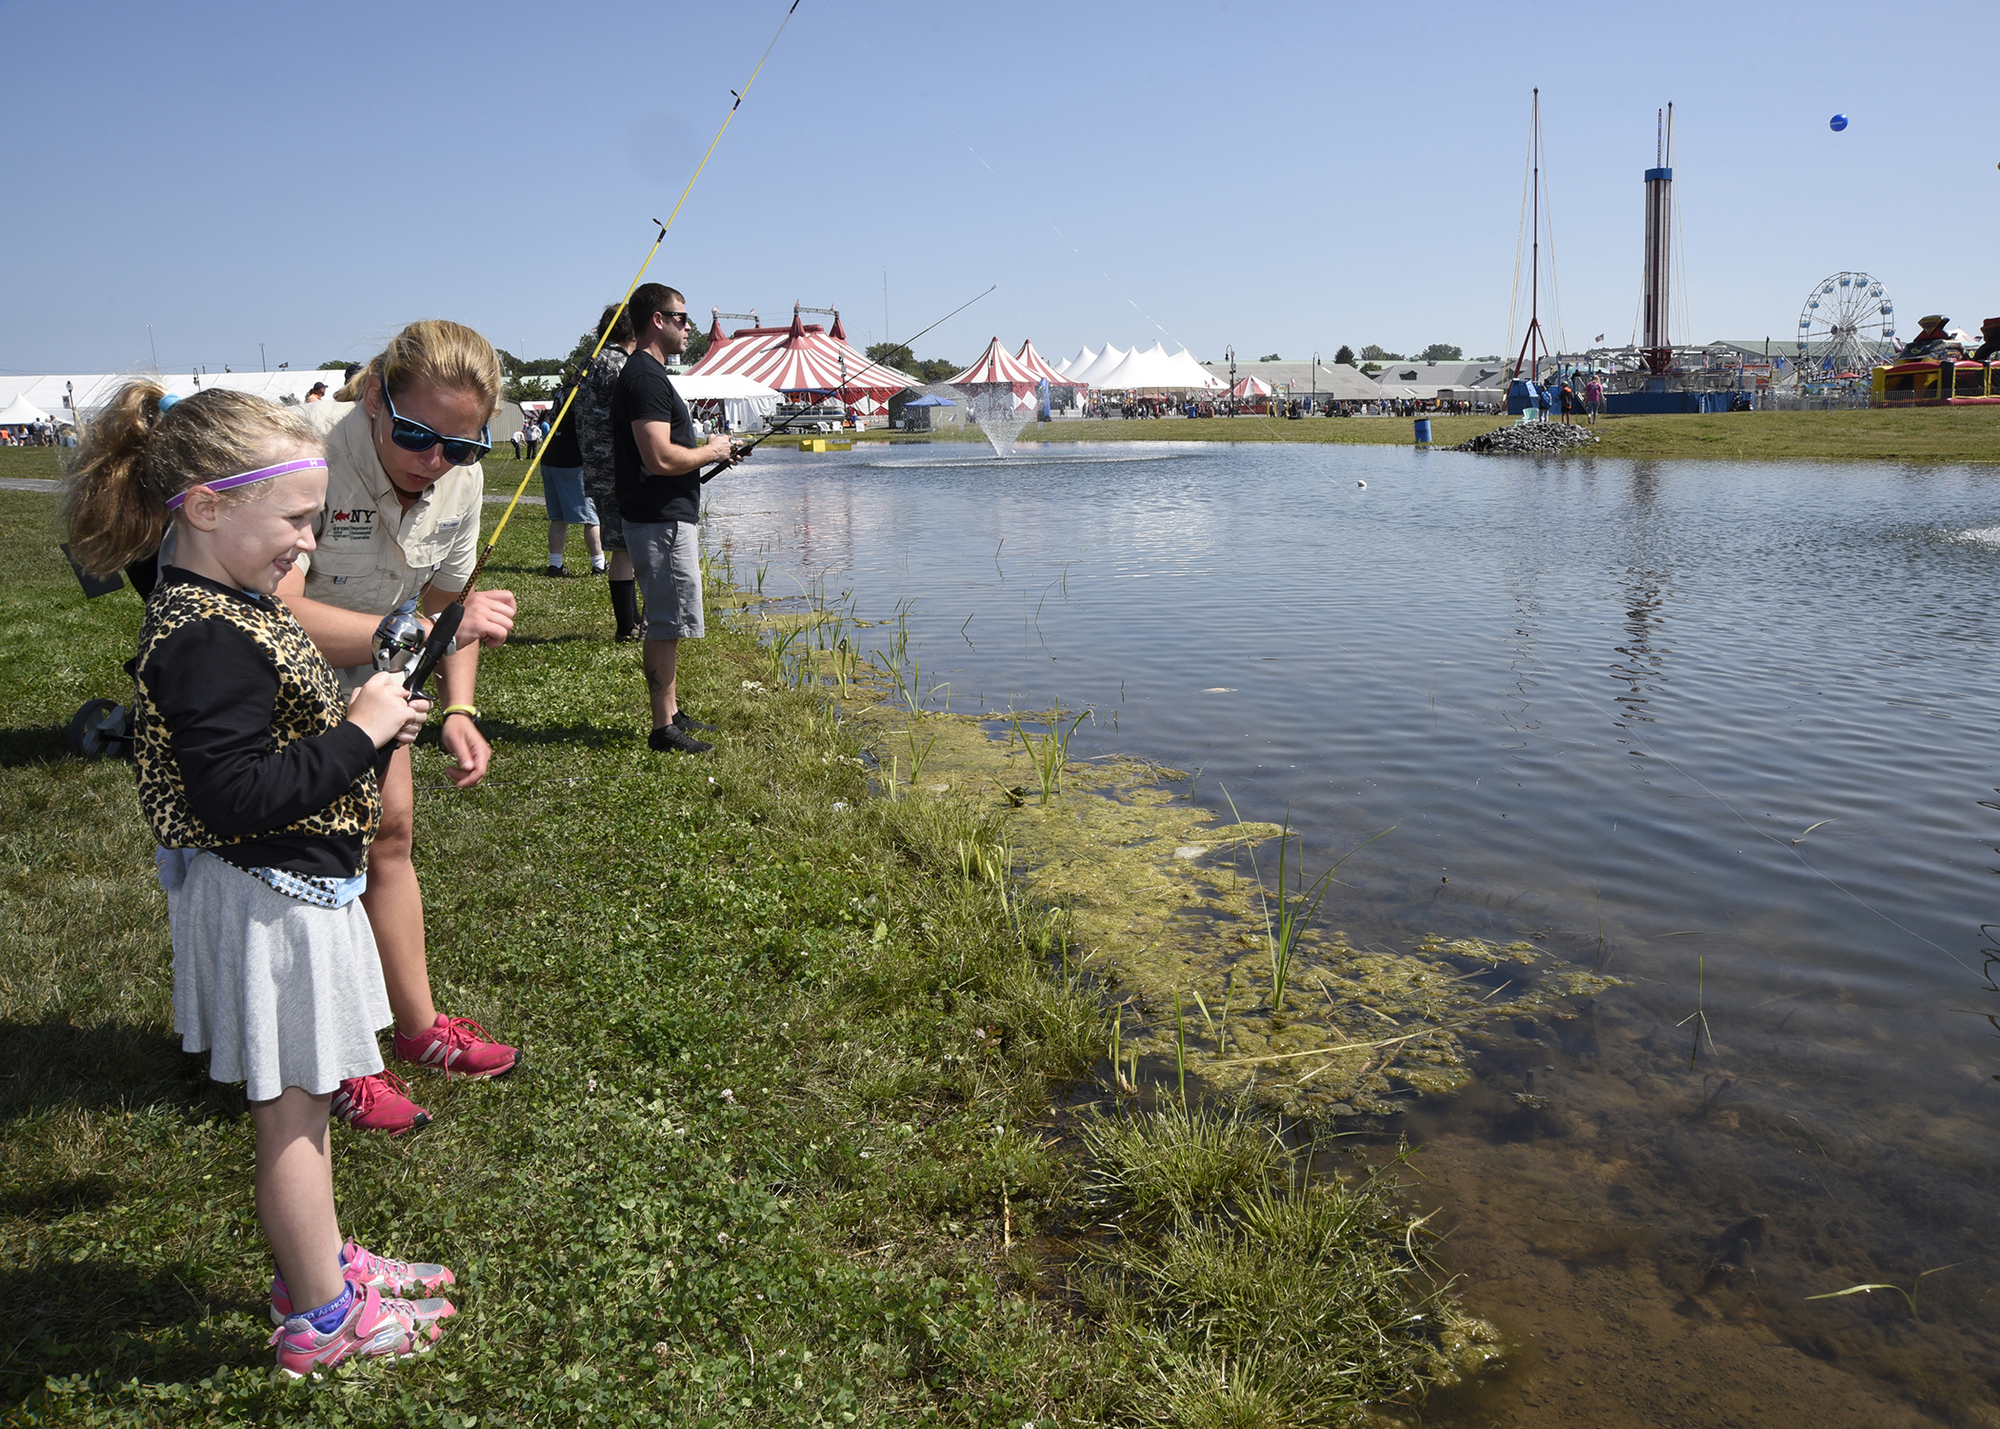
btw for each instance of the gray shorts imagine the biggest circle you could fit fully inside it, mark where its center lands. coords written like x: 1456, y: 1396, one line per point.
x: 601, y: 492
x: 666, y: 558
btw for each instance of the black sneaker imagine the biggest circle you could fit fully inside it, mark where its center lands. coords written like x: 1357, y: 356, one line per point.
x: 628, y: 633
x: 560, y: 573
x: 668, y: 740
x: 688, y: 724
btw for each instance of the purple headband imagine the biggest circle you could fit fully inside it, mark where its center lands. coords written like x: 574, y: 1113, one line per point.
x: 244, y: 478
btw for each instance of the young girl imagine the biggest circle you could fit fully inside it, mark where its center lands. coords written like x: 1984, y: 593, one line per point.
x: 258, y: 781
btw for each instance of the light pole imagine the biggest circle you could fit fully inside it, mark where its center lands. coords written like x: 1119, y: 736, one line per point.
x: 1314, y: 408
x: 260, y: 359
x: 1230, y: 353
x: 153, y: 345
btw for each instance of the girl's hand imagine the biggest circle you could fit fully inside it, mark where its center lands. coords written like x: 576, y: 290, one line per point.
x: 419, y: 709
x: 383, y: 713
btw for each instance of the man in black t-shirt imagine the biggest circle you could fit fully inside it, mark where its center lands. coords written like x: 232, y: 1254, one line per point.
x: 658, y: 466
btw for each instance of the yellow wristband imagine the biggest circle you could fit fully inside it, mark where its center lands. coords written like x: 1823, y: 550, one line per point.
x: 470, y: 710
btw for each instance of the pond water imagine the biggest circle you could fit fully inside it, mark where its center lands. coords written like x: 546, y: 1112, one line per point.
x: 1724, y: 731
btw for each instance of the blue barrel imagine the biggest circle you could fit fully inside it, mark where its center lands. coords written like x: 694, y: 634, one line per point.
x: 1423, y: 431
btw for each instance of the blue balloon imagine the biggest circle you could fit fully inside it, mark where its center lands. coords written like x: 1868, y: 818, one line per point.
x: 1837, y: 123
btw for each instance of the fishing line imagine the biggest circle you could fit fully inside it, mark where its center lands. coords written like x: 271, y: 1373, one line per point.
x: 1052, y: 225
x: 535, y: 462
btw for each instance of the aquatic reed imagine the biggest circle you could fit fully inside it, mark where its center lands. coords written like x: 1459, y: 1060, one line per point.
x: 1050, y: 753
x: 1295, y: 911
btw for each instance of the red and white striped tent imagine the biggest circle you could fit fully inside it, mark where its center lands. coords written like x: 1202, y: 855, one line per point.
x: 802, y: 361
x: 1250, y: 387
x: 996, y: 367
x: 1032, y: 360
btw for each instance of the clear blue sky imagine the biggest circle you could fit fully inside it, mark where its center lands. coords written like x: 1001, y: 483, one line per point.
x: 1277, y: 178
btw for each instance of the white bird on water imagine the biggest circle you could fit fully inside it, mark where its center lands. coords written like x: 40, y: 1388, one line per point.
x: 1360, y: 483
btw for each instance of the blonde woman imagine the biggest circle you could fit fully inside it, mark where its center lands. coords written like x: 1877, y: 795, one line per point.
x: 403, y: 440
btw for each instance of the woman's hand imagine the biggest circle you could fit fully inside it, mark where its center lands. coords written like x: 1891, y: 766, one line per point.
x: 489, y: 617
x: 461, y: 739
x: 383, y: 712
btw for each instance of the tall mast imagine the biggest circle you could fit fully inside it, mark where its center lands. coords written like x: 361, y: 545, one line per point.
x: 1534, y: 343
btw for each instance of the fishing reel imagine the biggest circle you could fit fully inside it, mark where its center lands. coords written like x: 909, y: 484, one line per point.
x: 399, y: 638
x: 403, y: 647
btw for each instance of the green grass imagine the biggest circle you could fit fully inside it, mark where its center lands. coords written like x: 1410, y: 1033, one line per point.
x: 784, y: 1147
x: 1913, y: 434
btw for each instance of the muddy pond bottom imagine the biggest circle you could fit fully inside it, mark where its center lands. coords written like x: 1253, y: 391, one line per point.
x: 1721, y: 732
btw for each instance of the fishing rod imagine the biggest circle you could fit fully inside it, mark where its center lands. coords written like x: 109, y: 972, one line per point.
x: 535, y: 462
x: 750, y: 446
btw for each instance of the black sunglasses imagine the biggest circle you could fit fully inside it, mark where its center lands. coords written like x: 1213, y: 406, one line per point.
x: 413, y: 436
x: 683, y: 318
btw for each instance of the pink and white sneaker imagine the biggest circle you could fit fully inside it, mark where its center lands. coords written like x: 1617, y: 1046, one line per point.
x: 378, y: 1102
x: 458, y: 1046
x: 375, y: 1327
x: 364, y: 1269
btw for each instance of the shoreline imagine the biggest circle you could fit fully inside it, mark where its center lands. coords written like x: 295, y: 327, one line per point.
x: 798, y: 1091
x: 1914, y: 434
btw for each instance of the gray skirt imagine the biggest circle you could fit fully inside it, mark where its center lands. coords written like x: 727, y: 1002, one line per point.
x: 279, y: 993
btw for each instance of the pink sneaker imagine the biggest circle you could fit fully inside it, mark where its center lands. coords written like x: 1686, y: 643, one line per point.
x: 460, y: 1046
x: 378, y: 1102
x: 391, y: 1328
x: 364, y: 1268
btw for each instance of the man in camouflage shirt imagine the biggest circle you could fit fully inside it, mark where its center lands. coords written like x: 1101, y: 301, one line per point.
x: 593, y: 435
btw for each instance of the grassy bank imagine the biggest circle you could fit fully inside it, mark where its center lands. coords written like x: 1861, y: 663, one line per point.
x: 1918, y: 434
x: 804, y: 1132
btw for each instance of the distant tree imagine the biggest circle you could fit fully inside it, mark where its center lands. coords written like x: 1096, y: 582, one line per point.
x: 1346, y: 355
x: 1270, y: 357
x: 933, y: 369
x: 1492, y: 357
x: 1371, y: 367
x: 337, y: 364
x: 1443, y: 352
x: 893, y: 354
x: 1372, y: 353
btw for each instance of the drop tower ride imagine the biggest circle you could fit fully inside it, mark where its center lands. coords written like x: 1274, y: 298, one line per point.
x: 1655, y: 342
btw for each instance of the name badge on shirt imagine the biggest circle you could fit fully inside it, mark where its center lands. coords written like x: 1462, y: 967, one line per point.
x: 451, y: 525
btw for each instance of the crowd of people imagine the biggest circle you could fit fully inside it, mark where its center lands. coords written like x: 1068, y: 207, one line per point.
x: 1142, y: 408
x: 273, y: 760
x: 38, y: 434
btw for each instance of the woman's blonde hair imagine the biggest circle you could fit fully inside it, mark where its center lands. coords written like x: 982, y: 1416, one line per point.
x: 135, y: 456
x: 437, y: 352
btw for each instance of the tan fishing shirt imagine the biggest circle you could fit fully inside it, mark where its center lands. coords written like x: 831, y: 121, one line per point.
x: 373, y: 555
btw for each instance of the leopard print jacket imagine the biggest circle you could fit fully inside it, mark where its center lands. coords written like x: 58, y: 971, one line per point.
x: 309, y: 702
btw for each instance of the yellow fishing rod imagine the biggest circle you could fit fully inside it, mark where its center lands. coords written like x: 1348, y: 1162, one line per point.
x: 535, y: 462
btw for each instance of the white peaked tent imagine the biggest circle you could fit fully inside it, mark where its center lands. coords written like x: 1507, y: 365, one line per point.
x: 1155, y: 370
x: 1075, y: 367
x: 21, y: 412
x: 1108, y: 358
x: 1195, y: 374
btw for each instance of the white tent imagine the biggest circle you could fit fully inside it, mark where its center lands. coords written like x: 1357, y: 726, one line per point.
x: 746, y: 404
x: 92, y: 390
x: 1105, y: 360
x: 1078, y: 365
x: 1194, y: 374
x: 22, y: 413
x: 1155, y: 371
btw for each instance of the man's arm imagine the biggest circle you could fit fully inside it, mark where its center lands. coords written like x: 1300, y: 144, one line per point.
x: 660, y: 457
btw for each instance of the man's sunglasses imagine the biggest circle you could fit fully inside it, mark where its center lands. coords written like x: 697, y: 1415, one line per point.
x: 681, y: 319
x: 414, y: 436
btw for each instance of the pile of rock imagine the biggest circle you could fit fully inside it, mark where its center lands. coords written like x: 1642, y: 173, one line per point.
x: 1538, y: 438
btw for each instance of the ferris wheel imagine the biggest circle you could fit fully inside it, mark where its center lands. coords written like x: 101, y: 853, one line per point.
x: 1843, y: 327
